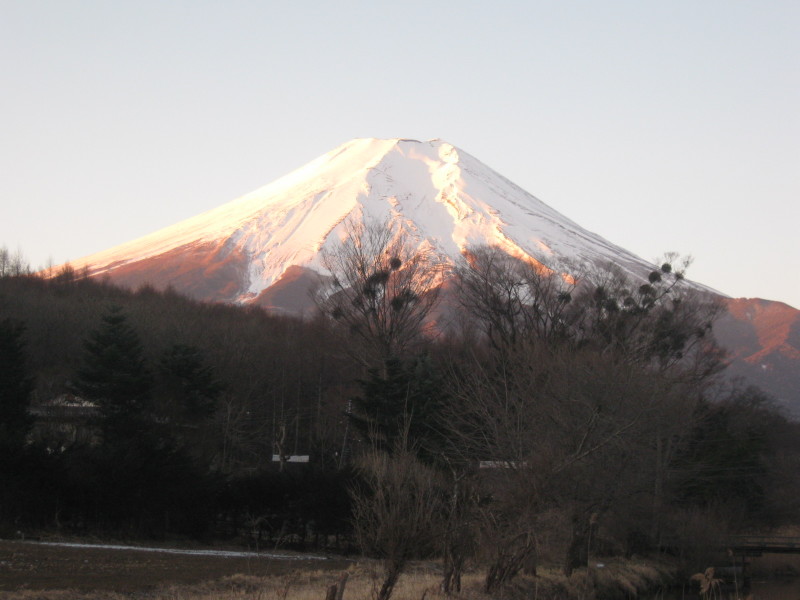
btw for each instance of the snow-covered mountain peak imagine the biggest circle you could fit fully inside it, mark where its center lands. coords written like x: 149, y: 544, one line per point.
x: 440, y: 195
x: 264, y: 247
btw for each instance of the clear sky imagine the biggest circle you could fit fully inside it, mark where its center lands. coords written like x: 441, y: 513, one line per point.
x: 659, y: 125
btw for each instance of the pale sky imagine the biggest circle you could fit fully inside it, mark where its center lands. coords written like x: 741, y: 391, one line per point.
x: 662, y: 126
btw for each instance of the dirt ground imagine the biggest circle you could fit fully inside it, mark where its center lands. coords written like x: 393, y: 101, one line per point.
x: 32, y: 566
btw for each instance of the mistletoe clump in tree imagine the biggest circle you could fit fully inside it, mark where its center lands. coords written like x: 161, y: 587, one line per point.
x: 382, y: 290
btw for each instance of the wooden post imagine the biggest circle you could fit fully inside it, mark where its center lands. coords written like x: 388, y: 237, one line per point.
x: 336, y: 590
x: 745, y: 574
x: 342, y: 583
x: 331, y: 595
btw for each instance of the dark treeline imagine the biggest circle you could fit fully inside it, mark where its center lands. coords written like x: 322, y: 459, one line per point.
x: 510, y: 417
x: 189, y: 403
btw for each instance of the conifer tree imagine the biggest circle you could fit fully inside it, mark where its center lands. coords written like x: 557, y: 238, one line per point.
x: 188, y: 384
x: 186, y: 394
x: 399, y: 405
x: 116, y: 377
x: 15, y: 385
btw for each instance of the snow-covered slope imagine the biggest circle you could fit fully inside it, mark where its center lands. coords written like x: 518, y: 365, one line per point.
x: 438, y: 193
x: 264, y: 247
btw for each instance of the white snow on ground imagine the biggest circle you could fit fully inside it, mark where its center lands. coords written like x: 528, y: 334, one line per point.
x: 436, y: 192
x: 216, y: 553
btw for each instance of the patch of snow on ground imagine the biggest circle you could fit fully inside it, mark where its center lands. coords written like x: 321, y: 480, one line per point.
x: 217, y: 553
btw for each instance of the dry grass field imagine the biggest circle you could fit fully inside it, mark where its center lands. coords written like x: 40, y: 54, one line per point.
x: 30, y: 570
x: 42, y: 572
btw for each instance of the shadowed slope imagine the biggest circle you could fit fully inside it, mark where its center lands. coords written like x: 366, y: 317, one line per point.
x: 763, y: 339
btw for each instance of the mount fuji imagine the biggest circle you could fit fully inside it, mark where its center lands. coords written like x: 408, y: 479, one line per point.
x: 438, y: 195
x: 265, y: 248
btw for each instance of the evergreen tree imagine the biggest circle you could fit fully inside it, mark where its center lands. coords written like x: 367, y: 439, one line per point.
x: 399, y: 406
x: 15, y: 385
x: 187, y: 384
x: 116, y: 377
x: 729, y: 454
x: 17, y: 471
x: 186, y: 395
x: 147, y: 483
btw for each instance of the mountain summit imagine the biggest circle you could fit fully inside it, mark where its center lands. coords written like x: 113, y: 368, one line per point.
x: 438, y: 194
x: 265, y: 247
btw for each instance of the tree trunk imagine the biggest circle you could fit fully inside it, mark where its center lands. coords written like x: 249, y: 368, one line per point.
x: 331, y: 594
x: 578, y: 551
x: 391, y: 575
x: 509, y: 561
x: 340, y: 585
x: 336, y: 590
x: 453, y: 567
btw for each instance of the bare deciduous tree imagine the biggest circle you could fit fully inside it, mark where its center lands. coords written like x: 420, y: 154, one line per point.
x: 13, y: 265
x: 514, y: 300
x: 585, y: 385
x: 396, y: 512
x: 381, y: 290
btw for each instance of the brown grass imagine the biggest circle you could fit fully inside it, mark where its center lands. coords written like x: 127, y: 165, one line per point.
x: 31, y: 572
x: 296, y: 585
x: 33, y: 567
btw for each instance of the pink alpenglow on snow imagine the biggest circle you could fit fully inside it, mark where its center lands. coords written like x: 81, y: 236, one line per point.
x: 439, y: 195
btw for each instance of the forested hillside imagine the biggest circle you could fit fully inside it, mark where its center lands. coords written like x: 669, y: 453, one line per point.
x: 550, y: 419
